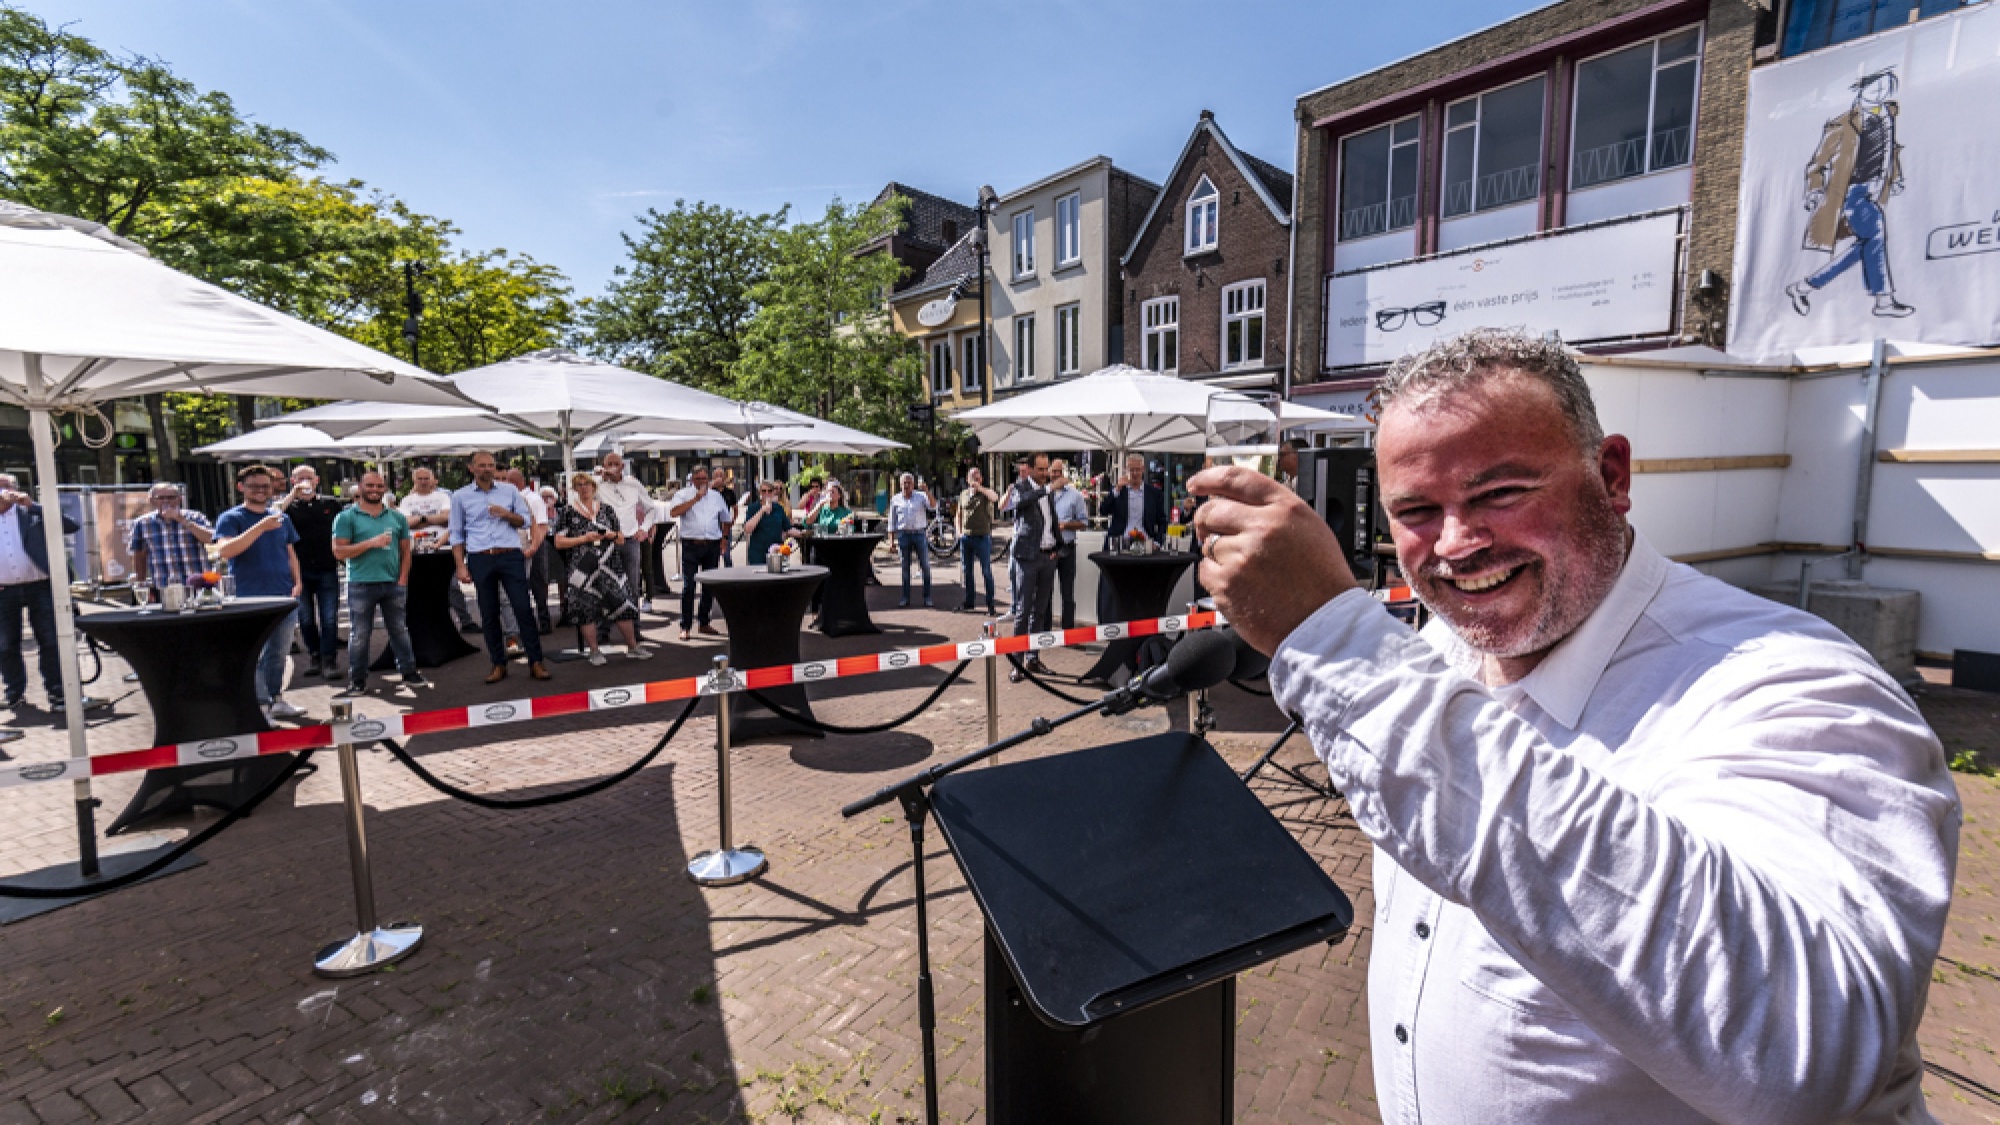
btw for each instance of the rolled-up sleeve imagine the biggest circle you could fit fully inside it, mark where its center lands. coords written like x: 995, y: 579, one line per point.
x: 1748, y: 912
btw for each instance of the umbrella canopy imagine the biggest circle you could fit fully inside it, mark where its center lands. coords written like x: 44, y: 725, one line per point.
x: 86, y: 316
x: 1118, y: 408
x: 304, y: 441
x: 557, y: 396
x: 792, y: 433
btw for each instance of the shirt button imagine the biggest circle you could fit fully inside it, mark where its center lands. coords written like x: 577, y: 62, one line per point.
x: 1423, y: 930
x: 1402, y: 1034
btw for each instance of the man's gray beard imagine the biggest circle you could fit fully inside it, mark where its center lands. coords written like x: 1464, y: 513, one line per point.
x: 1570, y: 591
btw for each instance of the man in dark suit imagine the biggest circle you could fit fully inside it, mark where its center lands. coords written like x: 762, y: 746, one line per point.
x: 24, y: 585
x: 1037, y: 544
x: 1149, y: 499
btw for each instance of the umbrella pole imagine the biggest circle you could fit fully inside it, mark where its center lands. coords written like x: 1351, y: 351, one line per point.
x: 569, y: 452
x: 40, y: 429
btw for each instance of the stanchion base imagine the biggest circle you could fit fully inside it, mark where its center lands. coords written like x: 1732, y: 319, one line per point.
x: 364, y: 953
x: 727, y: 868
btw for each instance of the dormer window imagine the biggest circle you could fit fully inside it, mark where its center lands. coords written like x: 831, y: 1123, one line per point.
x: 1201, y: 218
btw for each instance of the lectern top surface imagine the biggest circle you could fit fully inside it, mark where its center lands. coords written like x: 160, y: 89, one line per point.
x: 1121, y: 875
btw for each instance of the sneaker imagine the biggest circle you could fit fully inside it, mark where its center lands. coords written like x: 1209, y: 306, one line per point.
x: 1888, y: 305
x: 514, y: 646
x: 15, y: 702
x: 90, y: 703
x: 1801, y: 295
x: 638, y: 654
x: 468, y: 627
x: 904, y: 604
x: 927, y: 603
x: 596, y: 659
x: 350, y: 691
x: 415, y: 679
x: 280, y: 709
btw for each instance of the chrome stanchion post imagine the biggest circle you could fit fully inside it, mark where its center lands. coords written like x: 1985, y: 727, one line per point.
x: 372, y: 946
x: 990, y: 633
x: 727, y: 864
x: 1203, y: 719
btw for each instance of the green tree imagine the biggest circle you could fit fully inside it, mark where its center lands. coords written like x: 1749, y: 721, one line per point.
x: 820, y: 341
x: 680, y: 307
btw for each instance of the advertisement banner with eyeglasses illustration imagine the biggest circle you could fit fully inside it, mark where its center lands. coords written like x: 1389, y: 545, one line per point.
x: 1870, y: 208
x: 1604, y: 282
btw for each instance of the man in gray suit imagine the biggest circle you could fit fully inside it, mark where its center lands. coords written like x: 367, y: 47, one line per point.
x: 1037, y: 544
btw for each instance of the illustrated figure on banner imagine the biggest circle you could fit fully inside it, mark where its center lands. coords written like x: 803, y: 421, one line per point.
x: 1857, y: 167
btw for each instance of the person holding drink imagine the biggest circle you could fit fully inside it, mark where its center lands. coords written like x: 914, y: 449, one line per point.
x: 600, y: 589
x: 766, y: 524
x: 258, y: 545
x: 169, y: 544
x: 374, y: 541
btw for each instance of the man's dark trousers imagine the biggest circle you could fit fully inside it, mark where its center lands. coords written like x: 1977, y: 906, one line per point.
x: 1066, y: 583
x: 319, y: 614
x: 697, y: 555
x: 1035, y: 577
x: 504, y: 570
x: 538, y: 589
x: 39, y: 600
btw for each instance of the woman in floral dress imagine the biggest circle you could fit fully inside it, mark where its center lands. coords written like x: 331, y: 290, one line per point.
x: 599, y: 589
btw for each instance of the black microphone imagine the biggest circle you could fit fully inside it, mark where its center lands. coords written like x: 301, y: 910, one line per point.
x: 1250, y: 663
x: 1201, y: 660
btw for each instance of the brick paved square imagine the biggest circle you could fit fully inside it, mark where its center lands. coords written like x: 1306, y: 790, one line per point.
x: 571, y: 972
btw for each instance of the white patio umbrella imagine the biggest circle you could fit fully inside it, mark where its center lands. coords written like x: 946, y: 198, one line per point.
x: 557, y: 396
x: 304, y: 441
x: 86, y: 316
x: 1118, y: 408
x: 792, y: 433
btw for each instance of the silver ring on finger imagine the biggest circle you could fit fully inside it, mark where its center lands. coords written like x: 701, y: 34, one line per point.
x: 1208, y: 547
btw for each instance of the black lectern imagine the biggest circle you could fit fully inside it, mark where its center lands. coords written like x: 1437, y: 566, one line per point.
x: 1124, y: 888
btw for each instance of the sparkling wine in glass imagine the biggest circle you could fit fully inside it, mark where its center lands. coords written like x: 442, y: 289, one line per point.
x: 1243, y: 429
x: 142, y: 594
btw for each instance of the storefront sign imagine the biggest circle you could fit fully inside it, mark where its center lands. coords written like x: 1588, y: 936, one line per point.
x: 1869, y: 207
x: 935, y: 313
x: 1600, y: 283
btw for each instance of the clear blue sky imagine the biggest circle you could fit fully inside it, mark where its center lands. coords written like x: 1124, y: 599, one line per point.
x: 544, y: 127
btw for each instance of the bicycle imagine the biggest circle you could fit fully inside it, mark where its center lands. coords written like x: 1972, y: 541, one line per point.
x: 943, y: 532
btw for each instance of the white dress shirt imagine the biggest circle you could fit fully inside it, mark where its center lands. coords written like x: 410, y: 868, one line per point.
x: 625, y: 496
x: 909, y: 513
x: 538, y: 516
x: 15, y: 565
x: 1695, y: 866
x: 705, y: 519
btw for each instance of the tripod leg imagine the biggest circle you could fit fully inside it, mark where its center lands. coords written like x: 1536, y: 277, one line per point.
x: 926, y: 997
x: 1257, y: 766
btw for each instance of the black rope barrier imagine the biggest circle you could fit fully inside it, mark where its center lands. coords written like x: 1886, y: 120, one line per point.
x: 811, y: 723
x: 153, y: 868
x: 1022, y: 667
x: 1246, y: 689
x: 485, y: 802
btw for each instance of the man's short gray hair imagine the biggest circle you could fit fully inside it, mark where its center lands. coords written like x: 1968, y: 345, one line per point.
x: 1472, y: 358
x: 160, y: 486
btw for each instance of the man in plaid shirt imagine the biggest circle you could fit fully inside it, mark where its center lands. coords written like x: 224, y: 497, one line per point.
x: 169, y: 544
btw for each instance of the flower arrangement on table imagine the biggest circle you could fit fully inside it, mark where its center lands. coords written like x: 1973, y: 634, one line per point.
x: 1136, y: 542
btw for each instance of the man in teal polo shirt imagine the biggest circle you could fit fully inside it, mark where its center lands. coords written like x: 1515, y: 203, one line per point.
x: 373, y: 539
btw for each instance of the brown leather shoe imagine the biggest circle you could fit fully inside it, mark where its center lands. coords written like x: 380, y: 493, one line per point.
x: 498, y: 673
x: 710, y: 631
x: 539, y: 671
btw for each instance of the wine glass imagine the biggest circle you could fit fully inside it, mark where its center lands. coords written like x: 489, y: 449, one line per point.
x: 142, y: 594
x: 1243, y: 428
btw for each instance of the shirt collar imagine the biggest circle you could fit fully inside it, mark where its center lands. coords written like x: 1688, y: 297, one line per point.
x: 1562, y: 684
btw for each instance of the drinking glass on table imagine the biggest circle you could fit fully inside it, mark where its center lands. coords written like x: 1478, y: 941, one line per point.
x: 1243, y: 428
x: 142, y: 594
x: 227, y: 584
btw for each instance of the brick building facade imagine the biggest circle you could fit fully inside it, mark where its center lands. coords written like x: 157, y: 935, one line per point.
x: 1437, y: 109
x: 1205, y: 272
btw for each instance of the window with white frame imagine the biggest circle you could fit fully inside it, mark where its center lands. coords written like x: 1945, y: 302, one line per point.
x: 1024, y: 349
x: 1024, y: 243
x: 974, y: 367
x: 1493, y: 149
x: 1378, y: 179
x: 941, y: 367
x: 1635, y: 110
x: 1069, y: 230
x: 1243, y: 324
x: 1201, y: 217
x: 1069, y: 340
x: 1161, y: 321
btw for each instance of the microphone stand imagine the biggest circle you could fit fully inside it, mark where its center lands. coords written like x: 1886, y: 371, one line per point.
x: 913, y: 793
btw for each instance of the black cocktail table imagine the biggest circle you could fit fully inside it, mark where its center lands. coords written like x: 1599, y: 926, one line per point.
x: 434, y: 637
x: 199, y: 674
x: 1140, y: 587
x: 843, y: 603
x: 764, y: 611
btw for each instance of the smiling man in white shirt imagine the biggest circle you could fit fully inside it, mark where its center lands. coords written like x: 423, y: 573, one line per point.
x: 1649, y: 848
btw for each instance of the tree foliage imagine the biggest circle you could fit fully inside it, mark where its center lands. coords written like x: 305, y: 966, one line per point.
x: 124, y: 142
x: 680, y: 308
x: 820, y: 340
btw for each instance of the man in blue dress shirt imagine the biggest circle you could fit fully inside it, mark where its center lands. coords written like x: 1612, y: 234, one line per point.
x: 486, y: 518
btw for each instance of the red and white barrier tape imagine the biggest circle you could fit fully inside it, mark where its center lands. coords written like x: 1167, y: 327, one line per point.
x: 501, y: 712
